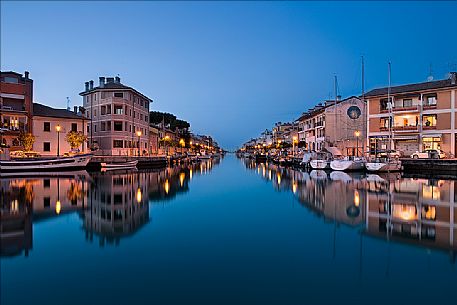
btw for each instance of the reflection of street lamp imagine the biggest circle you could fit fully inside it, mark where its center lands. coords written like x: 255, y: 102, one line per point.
x: 58, y: 128
x: 357, y: 135
x: 138, y: 133
x: 166, y: 139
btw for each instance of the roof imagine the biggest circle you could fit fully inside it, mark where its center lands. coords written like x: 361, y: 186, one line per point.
x: 444, y: 83
x: 46, y: 111
x: 321, y: 107
x: 114, y: 86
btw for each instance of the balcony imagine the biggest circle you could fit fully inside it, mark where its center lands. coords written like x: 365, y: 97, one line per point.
x: 414, y: 108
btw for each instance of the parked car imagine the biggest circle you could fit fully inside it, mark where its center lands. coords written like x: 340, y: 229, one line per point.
x: 429, y: 154
x: 392, y: 153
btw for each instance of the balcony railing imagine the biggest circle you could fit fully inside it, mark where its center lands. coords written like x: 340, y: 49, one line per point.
x: 396, y: 109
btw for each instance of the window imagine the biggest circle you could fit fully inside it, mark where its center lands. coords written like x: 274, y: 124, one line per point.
x: 103, y: 110
x: 102, y: 126
x: 95, y: 127
x: 47, y: 202
x: 46, y: 183
x: 108, y: 109
x: 430, y: 100
x: 103, y: 95
x: 9, y: 79
x: 384, y: 103
x: 429, y: 120
x: 119, y: 94
x: 74, y: 127
x: 142, y: 103
x: 118, y: 109
x: 47, y: 126
x: 117, y: 126
x: 407, y: 102
x: 117, y: 143
x: 46, y: 146
x: 108, y: 125
x: 95, y: 112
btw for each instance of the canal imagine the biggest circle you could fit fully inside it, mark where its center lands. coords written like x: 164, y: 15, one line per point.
x: 227, y: 231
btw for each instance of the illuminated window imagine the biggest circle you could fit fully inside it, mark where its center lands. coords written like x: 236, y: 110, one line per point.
x: 428, y: 212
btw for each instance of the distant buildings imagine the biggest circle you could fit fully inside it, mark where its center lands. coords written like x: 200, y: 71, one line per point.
x: 118, y: 117
x: 422, y: 116
x: 16, y: 98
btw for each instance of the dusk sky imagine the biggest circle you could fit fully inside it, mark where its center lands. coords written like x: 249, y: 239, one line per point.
x: 230, y: 69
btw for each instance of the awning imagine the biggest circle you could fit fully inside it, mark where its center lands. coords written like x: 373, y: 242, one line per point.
x: 405, y: 138
x: 334, y: 151
x: 432, y: 135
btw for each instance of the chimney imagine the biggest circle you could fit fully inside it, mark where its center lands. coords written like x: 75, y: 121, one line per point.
x: 453, y: 78
x: 26, y: 74
x: 75, y: 109
x: 86, y: 86
x: 102, y: 81
x: 117, y: 79
x: 91, y: 84
x: 110, y: 80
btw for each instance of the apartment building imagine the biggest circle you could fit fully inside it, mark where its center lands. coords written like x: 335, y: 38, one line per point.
x: 16, y: 98
x: 50, y: 127
x: 339, y: 124
x: 118, y: 117
x: 417, y: 117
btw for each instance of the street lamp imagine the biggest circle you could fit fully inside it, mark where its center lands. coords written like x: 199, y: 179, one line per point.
x: 182, y: 143
x: 58, y: 128
x: 294, y: 140
x: 139, y: 133
x: 357, y: 135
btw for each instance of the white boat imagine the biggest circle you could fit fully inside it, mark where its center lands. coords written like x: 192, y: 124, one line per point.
x: 319, y: 164
x: 386, y: 166
x: 348, y: 164
x: 204, y: 157
x: 119, y: 165
x: 45, y: 164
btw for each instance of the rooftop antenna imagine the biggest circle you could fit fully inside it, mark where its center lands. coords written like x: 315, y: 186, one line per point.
x: 68, y: 103
x: 430, y: 73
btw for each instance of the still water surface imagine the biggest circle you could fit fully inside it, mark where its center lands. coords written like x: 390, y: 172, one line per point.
x: 228, y: 231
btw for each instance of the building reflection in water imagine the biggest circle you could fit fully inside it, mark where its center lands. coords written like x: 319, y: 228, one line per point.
x: 111, y: 205
x: 415, y: 211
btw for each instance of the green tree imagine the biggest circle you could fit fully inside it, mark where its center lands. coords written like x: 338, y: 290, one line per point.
x: 26, y: 140
x: 75, y: 139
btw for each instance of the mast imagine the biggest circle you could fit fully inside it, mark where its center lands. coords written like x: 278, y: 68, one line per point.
x: 335, y: 85
x: 364, y: 106
x: 390, y: 111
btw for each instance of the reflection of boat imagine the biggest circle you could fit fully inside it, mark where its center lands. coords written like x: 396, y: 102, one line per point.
x: 340, y: 176
x: 375, y: 178
x: 44, y: 174
x: 119, y: 165
x: 348, y: 164
x: 318, y: 174
x: 58, y: 163
x: 387, y: 166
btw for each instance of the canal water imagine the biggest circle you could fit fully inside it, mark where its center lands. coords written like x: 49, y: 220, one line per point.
x: 227, y: 231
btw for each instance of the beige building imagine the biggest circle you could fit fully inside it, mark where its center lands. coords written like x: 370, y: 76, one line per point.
x: 118, y: 117
x: 422, y: 116
x: 46, y: 121
x: 340, y: 124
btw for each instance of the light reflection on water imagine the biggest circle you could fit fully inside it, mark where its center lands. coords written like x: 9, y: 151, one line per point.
x: 416, y: 211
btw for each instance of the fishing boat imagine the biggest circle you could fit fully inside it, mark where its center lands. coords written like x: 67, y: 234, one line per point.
x: 348, y: 164
x: 119, y: 165
x: 45, y: 164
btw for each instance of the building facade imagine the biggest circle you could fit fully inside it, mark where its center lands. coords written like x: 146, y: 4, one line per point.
x: 50, y: 127
x: 16, y: 98
x: 335, y: 124
x: 118, y: 117
x: 417, y: 117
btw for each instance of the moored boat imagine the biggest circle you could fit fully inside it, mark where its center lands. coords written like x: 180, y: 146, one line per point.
x: 348, y: 164
x: 319, y: 164
x: 384, y: 166
x: 45, y: 164
x: 118, y: 165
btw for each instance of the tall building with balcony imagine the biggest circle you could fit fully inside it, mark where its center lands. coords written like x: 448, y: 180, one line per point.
x: 118, y: 117
x: 16, y: 98
x: 417, y: 117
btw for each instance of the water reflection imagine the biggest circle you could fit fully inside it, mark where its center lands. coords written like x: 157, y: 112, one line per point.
x: 111, y: 205
x: 415, y: 211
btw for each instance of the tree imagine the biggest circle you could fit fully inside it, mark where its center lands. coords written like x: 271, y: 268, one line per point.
x: 75, y: 139
x: 26, y: 140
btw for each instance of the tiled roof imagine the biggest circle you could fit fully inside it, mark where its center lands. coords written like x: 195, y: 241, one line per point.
x: 445, y: 83
x: 46, y: 111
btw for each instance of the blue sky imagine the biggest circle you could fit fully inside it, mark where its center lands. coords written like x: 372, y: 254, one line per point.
x: 231, y: 69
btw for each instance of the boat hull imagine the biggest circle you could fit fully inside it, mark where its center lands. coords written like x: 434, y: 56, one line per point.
x: 65, y: 163
x: 347, y: 165
x: 383, y: 166
x: 125, y: 165
x: 319, y: 164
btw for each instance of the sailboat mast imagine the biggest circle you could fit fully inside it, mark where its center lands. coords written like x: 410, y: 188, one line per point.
x: 390, y: 110
x: 363, y: 101
x: 335, y: 85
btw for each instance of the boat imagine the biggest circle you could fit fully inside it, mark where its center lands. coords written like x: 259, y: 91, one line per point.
x: 307, y: 156
x: 348, y: 164
x: 119, y: 165
x: 389, y: 165
x: 45, y: 164
x: 260, y: 158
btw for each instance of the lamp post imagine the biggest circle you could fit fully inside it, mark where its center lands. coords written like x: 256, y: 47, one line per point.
x: 58, y: 128
x: 138, y: 133
x: 357, y: 135
x: 190, y: 144
x: 182, y: 143
x: 166, y: 139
